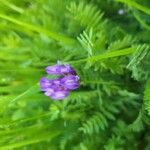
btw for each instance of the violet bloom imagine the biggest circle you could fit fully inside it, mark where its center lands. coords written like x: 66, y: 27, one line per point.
x: 70, y: 82
x: 59, y: 88
x: 60, y: 69
x: 53, y: 88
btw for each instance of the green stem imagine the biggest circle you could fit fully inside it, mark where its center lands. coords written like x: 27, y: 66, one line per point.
x: 116, y: 53
x: 137, y: 17
x: 31, y: 27
x: 96, y: 82
x: 12, y: 6
x: 135, y: 5
x: 29, y: 91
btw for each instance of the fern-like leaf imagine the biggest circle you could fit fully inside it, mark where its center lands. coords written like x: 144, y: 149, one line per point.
x: 147, y: 97
x: 86, y: 41
x: 121, y: 43
x: 93, y: 125
x: 140, y: 53
x: 87, y: 15
x: 137, y: 125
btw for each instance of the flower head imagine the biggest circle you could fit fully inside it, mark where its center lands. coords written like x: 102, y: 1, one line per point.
x: 59, y: 88
x: 45, y: 84
x: 70, y: 82
x: 60, y: 69
x: 53, y: 88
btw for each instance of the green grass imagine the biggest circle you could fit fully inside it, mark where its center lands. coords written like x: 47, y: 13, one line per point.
x: 110, y: 53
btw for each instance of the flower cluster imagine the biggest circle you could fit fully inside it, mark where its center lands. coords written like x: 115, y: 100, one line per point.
x: 60, y: 88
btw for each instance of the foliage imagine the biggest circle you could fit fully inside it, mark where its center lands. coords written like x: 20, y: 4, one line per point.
x: 108, y: 44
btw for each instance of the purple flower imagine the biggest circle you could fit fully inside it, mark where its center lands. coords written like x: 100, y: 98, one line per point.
x: 60, y: 69
x: 59, y: 88
x: 70, y: 82
x: 53, y: 88
x: 45, y: 84
x: 57, y: 93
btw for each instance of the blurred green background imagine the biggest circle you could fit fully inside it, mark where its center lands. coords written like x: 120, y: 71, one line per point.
x: 108, y: 44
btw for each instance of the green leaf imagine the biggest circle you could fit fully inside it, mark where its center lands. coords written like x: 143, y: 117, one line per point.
x: 12, y: 6
x: 141, y: 21
x: 116, y: 53
x: 30, y: 91
x: 41, y: 137
x: 147, y: 97
x: 135, y: 5
x: 31, y: 27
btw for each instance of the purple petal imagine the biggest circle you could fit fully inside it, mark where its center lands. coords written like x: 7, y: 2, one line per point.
x: 60, y: 69
x: 70, y: 82
x: 49, y: 92
x: 67, y: 69
x: 53, y: 69
x: 45, y: 84
x: 56, y: 81
x: 53, y: 88
x: 59, y: 94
